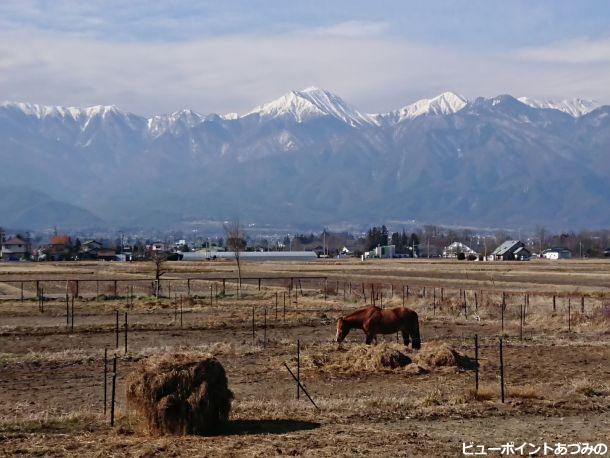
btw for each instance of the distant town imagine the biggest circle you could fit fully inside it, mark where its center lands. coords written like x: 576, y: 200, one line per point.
x: 376, y: 243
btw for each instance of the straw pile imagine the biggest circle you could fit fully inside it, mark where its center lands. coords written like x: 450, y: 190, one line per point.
x: 385, y: 357
x: 180, y: 394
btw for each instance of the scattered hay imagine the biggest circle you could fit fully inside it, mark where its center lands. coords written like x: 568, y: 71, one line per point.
x: 385, y: 357
x: 358, y: 358
x: 180, y: 394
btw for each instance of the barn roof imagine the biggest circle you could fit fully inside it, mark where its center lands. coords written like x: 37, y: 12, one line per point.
x: 506, y: 247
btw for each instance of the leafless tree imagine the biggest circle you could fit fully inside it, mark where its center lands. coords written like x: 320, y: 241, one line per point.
x: 541, y: 233
x: 236, y: 242
x: 158, y: 258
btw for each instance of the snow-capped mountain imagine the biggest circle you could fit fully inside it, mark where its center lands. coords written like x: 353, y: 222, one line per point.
x: 573, y: 107
x: 311, y: 158
x: 311, y: 103
x: 443, y: 104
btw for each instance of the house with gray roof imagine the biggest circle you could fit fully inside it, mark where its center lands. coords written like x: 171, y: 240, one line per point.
x: 511, y: 250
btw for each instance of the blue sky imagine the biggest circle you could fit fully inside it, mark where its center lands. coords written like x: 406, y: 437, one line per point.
x: 152, y: 57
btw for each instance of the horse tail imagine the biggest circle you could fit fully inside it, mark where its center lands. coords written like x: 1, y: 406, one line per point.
x: 414, y: 332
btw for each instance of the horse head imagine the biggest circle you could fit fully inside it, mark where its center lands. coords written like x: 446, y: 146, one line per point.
x: 342, y: 330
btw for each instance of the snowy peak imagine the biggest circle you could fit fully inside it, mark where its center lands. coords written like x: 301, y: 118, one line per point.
x: 175, y: 122
x: 71, y: 113
x: 574, y: 107
x: 310, y: 103
x: 443, y: 104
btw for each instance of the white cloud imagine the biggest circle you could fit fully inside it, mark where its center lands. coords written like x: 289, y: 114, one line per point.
x: 569, y: 52
x: 353, y: 29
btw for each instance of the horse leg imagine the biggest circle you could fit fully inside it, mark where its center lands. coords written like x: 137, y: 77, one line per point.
x: 405, y: 337
x: 367, y: 327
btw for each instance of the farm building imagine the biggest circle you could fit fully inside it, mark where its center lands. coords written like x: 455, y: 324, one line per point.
x: 203, y: 255
x: 455, y: 248
x: 381, y: 252
x: 511, y: 250
x: 557, y: 253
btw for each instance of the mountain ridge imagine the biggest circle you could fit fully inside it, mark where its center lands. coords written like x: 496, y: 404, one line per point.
x: 489, y: 161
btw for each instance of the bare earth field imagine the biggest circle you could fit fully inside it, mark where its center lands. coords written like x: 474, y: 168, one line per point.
x: 557, y: 364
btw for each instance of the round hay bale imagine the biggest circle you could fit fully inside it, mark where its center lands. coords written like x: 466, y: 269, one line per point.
x: 436, y: 354
x: 393, y: 359
x: 180, y: 394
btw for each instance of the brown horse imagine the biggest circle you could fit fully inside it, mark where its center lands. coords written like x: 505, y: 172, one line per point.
x: 374, y: 320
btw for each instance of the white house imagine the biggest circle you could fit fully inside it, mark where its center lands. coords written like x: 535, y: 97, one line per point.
x: 557, y: 253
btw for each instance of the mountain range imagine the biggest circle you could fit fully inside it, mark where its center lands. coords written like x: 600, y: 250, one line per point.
x: 308, y: 159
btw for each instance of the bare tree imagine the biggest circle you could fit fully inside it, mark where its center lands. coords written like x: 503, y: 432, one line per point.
x: 158, y: 258
x: 236, y: 242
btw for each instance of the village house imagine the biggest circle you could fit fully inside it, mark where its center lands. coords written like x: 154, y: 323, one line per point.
x: 16, y: 249
x: 511, y: 250
x: 59, y: 247
x: 90, y: 249
x: 107, y: 254
x: 557, y: 253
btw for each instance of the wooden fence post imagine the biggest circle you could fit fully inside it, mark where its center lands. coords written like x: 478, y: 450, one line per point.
x: 476, y: 362
x: 116, y: 329
x: 105, y: 379
x: 298, y: 367
x: 126, y: 330
x: 265, y: 328
x: 113, y: 390
x: 501, y: 371
x: 253, y: 337
x: 72, y: 316
x: 569, y: 314
x: 67, y: 311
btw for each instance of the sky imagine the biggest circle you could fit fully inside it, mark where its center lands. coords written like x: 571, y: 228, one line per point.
x: 153, y: 57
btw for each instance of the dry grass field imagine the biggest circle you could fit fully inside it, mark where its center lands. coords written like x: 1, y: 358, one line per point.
x: 556, y: 357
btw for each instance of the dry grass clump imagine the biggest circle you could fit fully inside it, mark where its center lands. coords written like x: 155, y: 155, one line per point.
x: 588, y: 389
x: 524, y: 392
x: 180, y: 394
x: 483, y: 394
